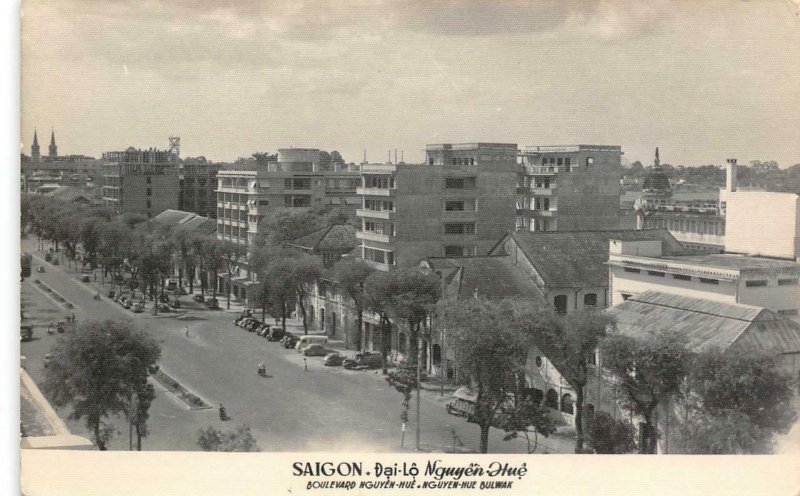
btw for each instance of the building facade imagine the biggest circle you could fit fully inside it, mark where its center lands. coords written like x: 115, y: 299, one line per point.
x: 569, y: 188
x: 198, y: 185
x: 639, y: 266
x: 459, y: 203
x: 141, y: 181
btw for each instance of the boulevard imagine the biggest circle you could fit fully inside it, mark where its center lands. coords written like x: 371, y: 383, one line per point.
x: 323, y: 409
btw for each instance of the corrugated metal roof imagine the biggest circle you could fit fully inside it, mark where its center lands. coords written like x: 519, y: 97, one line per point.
x: 486, y: 276
x: 706, y: 324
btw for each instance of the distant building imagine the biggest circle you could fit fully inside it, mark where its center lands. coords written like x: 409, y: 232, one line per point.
x: 35, y: 154
x: 458, y: 203
x: 569, y: 188
x: 141, y: 181
x: 637, y: 266
x: 197, y: 188
x: 52, y: 149
x: 697, y: 224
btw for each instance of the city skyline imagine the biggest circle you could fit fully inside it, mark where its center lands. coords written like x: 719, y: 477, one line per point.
x: 703, y: 82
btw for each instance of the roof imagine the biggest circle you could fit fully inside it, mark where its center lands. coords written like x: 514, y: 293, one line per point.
x: 489, y: 276
x: 337, y: 237
x: 707, y: 324
x: 735, y: 262
x: 186, y: 221
x: 575, y: 259
x: 72, y: 194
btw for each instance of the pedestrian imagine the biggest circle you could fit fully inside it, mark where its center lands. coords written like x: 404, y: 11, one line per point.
x: 186, y: 331
x: 305, y: 364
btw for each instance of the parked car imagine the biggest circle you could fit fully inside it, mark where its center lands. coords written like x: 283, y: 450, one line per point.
x: 163, y: 298
x: 55, y: 262
x: 48, y: 257
x: 332, y: 359
x: 171, y: 284
x: 276, y: 334
x: 85, y: 278
x: 199, y: 298
x: 175, y: 303
x: 263, y: 330
x: 127, y: 305
x: 138, y: 307
x: 40, y: 269
x: 163, y: 307
x: 47, y: 358
x: 364, y: 360
x: 212, y: 304
x: 316, y: 350
x: 26, y: 333
x: 289, y: 341
x: 111, y: 294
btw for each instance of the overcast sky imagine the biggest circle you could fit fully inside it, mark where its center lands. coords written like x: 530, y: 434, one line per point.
x: 702, y: 80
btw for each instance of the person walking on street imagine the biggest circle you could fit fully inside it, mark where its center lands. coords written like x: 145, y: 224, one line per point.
x: 186, y: 331
x: 305, y: 364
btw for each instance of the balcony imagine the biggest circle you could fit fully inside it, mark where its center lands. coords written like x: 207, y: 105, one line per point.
x: 523, y: 190
x: 375, y: 214
x: 375, y: 191
x: 545, y: 213
x: 542, y: 191
x: 542, y: 169
x: 373, y: 236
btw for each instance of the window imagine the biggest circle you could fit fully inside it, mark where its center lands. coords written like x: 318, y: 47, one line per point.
x: 755, y: 284
x: 567, y: 162
x: 460, y: 228
x: 590, y: 300
x: 655, y: 273
x: 787, y: 282
x: 453, y: 251
x: 459, y: 182
x: 149, y: 180
x: 709, y: 281
x: 149, y: 192
x: 589, y: 161
x: 459, y: 205
x: 149, y: 205
x: 566, y: 404
x: 633, y: 271
x: 682, y: 277
x: 551, y: 399
x: 560, y: 302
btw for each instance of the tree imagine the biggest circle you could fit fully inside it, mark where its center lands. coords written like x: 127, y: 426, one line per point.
x: 351, y: 274
x: 647, y: 371
x: 231, y: 254
x: 337, y: 161
x: 570, y: 343
x: 609, y: 436
x: 734, y: 402
x: 305, y: 270
x: 490, y: 350
x: 211, y: 439
x: 25, y: 266
x: 97, y: 369
x: 324, y: 160
x: 404, y: 380
x: 408, y: 295
x: 281, y: 287
x: 525, y: 418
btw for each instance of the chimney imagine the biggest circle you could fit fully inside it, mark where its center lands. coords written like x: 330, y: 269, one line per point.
x: 731, y: 175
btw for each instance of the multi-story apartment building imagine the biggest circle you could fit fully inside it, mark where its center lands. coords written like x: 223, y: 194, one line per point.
x: 198, y: 183
x: 569, y: 188
x: 140, y: 181
x: 459, y: 203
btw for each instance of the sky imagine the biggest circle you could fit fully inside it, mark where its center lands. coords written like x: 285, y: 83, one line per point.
x: 702, y: 80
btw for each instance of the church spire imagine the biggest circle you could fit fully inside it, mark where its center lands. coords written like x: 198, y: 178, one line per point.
x: 35, y: 157
x: 657, y: 161
x: 53, y: 148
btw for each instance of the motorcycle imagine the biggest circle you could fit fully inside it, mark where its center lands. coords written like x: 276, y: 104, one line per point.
x: 262, y: 371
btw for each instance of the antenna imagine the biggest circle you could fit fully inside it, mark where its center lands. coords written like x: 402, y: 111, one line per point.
x: 395, y: 155
x: 402, y: 161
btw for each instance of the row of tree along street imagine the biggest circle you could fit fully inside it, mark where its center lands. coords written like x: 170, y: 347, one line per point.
x: 726, y: 402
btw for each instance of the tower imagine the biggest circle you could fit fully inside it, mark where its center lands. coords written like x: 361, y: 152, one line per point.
x: 35, y: 157
x: 53, y: 149
x: 175, y: 147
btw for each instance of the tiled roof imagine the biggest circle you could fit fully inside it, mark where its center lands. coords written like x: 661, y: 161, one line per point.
x: 735, y: 262
x: 706, y: 324
x: 576, y: 259
x: 487, y: 276
x: 71, y: 193
x: 336, y: 237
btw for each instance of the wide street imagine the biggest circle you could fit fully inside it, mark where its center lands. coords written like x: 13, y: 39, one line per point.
x: 322, y: 409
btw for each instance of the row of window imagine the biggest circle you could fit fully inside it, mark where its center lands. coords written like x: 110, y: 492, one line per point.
x: 680, y: 224
x: 560, y: 302
x: 470, y: 205
x: 459, y: 182
x: 755, y: 283
x: 459, y: 228
x: 382, y: 182
x: 378, y: 205
x: 378, y: 256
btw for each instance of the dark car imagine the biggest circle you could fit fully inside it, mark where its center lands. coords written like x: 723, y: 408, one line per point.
x: 85, y: 278
x: 263, y: 330
x: 199, y: 298
x: 316, y: 350
x: 55, y: 262
x: 332, y: 359
x: 111, y: 294
x: 40, y: 269
x: 127, y: 305
x: 26, y: 333
x: 212, y: 304
x: 364, y: 360
x: 175, y: 304
x: 163, y: 307
x: 276, y: 334
x: 163, y: 299
x: 138, y: 307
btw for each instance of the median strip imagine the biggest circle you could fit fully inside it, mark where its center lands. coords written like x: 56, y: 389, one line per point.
x: 191, y: 400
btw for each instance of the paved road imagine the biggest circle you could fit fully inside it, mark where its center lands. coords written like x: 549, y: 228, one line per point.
x: 323, y: 409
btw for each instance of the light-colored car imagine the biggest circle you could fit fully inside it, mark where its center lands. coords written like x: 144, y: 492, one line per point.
x: 138, y: 307
x: 40, y: 269
x: 47, y: 358
x: 332, y: 359
x: 316, y: 350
